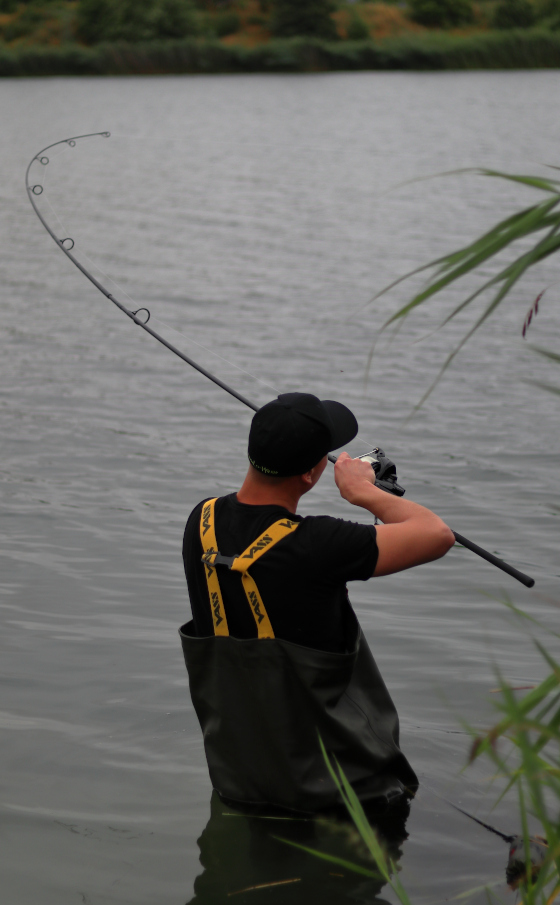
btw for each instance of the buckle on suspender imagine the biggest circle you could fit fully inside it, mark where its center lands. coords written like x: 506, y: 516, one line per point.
x: 213, y: 558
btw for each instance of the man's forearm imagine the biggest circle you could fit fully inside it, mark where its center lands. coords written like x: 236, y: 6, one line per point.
x: 388, y: 508
x: 410, y: 534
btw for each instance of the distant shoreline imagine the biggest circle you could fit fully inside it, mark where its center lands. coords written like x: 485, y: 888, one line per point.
x: 535, y: 48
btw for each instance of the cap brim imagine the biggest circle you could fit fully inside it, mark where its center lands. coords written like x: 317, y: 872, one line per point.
x: 345, y: 426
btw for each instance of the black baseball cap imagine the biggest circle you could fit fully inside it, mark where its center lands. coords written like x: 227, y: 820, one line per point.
x: 291, y: 434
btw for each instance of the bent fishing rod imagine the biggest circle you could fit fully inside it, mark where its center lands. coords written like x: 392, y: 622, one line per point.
x: 385, y: 470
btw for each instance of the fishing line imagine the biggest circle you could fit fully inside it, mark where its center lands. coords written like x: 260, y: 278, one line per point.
x: 217, y: 354
x: 142, y: 315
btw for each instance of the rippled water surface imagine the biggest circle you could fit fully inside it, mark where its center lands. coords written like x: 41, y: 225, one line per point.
x: 251, y: 216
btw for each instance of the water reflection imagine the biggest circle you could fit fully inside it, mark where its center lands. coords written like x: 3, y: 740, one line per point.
x: 244, y: 860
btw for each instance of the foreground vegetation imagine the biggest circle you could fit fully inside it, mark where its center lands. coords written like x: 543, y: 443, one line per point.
x: 52, y: 37
x: 524, y: 748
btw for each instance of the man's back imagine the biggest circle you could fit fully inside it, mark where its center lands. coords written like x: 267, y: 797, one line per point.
x: 302, y: 579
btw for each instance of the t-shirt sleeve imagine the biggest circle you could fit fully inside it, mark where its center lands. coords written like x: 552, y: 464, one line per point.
x: 340, y: 550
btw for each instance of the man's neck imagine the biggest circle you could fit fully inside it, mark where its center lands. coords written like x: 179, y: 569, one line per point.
x: 255, y: 492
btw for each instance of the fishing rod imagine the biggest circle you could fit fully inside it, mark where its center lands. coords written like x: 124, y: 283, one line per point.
x: 384, y: 468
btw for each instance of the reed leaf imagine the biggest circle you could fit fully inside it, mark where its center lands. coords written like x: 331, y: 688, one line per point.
x: 448, y: 269
x: 538, y: 182
x: 459, y: 263
x: 545, y: 386
x: 387, y: 868
x: 531, y: 725
x: 333, y: 859
x: 546, y: 353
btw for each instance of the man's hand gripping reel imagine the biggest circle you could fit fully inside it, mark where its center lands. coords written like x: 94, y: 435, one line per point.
x: 385, y: 471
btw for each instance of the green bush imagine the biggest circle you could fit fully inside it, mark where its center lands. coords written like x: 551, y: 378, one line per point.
x: 174, y: 19
x: 96, y: 20
x: 226, y: 24
x: 514, y: 14
x: 549, y: 8
x: 133, y: 21
x: 357, y: 29
x: 8, y: 6
x: 442, y: 13
x: 28, y: 21
x: 549, y: 13
x: 312, y: 18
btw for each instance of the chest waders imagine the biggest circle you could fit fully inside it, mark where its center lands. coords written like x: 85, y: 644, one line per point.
x: 261, y: 702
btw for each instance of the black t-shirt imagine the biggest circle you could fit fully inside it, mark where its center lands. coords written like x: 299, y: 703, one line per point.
x: 302, y: 579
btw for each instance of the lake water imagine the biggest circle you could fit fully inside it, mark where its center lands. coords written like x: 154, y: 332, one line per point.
x: 252, y: 216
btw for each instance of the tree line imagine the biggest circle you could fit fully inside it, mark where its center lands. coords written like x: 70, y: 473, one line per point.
x: 97, y: 21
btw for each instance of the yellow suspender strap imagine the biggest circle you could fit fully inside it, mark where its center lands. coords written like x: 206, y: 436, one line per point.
x: 241, y: 564
x: 209, y: 545
x: 268, y: 538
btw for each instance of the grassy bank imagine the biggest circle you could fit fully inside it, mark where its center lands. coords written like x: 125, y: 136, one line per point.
x: 519, y: 49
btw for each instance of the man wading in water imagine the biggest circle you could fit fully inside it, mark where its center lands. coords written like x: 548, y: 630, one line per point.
x: 274, y: 652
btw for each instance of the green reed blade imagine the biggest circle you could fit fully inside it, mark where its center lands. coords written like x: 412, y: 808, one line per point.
x: 547, y: 353
x: 537, y: 182
x: 459, y: 255
x: 333, y: 859
x: 518, y: 226
x: 544, y: 386
x: 532, y: 220
x: 354, y: 807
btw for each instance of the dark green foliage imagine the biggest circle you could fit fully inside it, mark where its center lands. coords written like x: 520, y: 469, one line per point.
x: 514, y: 14
x: 357, y: 29
x: 442, y: 13
x: 174, y: 19
x: 134, y: 21
x: 226, y: 24
x: 8, y: 6
x: 291, y: 18
x: 548, y: 8
x: 548, y: 12
x: 97, y: 20
x: 29, y: 20
x: 494, y: 50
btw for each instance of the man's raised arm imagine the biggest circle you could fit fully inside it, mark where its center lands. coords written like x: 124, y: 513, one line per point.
x: 410, y: 534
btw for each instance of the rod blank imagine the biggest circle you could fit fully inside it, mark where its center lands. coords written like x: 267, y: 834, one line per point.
x: 499, y: 563
x: 489, y: 557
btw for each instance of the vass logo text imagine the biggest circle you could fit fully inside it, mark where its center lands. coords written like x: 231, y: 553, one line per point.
x: 262, y: 542
x: 216, y: 608
x: 254, y: 601
x: 206, y: 518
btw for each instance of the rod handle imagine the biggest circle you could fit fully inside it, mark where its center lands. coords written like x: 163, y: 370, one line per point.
x: 499, y: 563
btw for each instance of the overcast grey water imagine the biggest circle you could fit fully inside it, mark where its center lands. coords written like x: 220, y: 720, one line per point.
x: 252, y: 216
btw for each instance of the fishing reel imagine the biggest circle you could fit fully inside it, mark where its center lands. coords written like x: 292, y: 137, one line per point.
x: 385, y: 471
